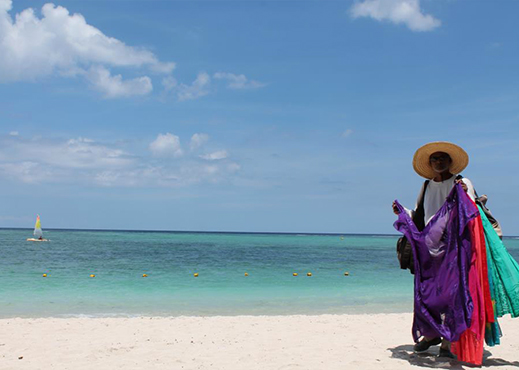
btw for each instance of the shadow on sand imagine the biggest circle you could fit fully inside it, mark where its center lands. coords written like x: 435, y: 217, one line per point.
x: 430, y: 359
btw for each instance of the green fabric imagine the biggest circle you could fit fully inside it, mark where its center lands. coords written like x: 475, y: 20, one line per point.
x: 492, y: 330
x: 503, y: 270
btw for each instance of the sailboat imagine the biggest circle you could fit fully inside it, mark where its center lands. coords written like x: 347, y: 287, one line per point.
x: 38, y: 233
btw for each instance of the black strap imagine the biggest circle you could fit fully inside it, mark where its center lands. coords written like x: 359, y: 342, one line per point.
x: 419, y: 213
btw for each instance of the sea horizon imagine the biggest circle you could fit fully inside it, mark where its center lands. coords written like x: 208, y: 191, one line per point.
x: 218, y: 232
x: 202, y: 232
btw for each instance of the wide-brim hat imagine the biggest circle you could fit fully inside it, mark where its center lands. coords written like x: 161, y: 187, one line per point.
x: 422, y: 166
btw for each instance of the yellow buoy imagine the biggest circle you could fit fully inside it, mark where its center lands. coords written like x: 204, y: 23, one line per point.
x: 44, y: 275
x: 195, y: 274
x: 144, y: 275
x: 308, y: 274
x: 294, y: 274
x: 346, y: 273
x: 92, y: 275
x: 246, y: 274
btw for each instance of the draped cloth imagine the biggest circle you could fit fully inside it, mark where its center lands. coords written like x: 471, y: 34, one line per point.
x: 442, y: 254
x: 504, y: 273
x: 469, y: 348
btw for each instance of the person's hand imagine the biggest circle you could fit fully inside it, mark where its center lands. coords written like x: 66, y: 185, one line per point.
x: 396, y: 211
x: 463, y: 185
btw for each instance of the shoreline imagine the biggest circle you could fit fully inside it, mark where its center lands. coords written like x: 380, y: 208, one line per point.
x: 379, y: 308
x: 328, y: 341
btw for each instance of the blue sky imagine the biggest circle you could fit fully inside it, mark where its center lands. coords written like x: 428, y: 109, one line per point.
x: 296, y: 116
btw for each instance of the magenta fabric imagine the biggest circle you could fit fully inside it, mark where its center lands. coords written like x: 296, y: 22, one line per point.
x: 442, y: 254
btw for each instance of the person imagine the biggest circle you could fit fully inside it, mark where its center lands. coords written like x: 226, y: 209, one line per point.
x: 440, y: 163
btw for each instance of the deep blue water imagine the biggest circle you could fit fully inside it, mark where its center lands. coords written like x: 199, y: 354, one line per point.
x: 120, y: 258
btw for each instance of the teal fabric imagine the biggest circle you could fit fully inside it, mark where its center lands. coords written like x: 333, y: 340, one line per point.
x: 504, y: 272
x: 492, y: 330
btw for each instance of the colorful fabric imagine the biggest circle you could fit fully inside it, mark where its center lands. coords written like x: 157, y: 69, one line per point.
x: 492, y: 330
x: 442, y: 256
x: 469, y: 348
x: 504, y: 271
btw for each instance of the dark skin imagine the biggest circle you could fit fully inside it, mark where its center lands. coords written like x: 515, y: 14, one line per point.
x: 440, y: 163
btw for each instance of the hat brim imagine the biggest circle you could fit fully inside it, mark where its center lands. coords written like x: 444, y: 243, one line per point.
x: 422, y: 166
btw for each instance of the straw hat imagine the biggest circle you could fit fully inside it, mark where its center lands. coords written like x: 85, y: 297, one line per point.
x: 421, y: 165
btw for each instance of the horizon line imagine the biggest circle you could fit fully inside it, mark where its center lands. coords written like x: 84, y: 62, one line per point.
x: 218, y: 232
x: 201, y: 232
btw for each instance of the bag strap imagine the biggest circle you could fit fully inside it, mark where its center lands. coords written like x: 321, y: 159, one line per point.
x: 419, y: 213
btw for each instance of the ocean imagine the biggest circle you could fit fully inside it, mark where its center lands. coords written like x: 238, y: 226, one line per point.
x: 118, y: 259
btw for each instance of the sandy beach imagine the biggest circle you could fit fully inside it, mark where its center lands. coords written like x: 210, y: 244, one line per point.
x: 380, y: 341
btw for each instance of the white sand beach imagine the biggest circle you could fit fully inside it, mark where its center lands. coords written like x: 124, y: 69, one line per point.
x: 380, y: 341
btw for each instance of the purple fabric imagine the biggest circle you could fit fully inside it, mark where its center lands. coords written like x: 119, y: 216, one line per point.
x: 442, y: 254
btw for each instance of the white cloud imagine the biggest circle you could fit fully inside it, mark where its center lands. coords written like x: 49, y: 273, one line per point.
x: 347, y: 133
x: 237, y: 81
x: 197, y: 140
x: 58, y: 43
x: 89, y: 163
x: 166, y: 145
x: 115, y: 87
x: 85, y: 153
x: 65, y: 44
x: 169, y: 83
x: 14, y: 133
x: 27, y: 172
x: 199, y: 88
x: 44, y: 160
x: 74, y: 153
x: 169, y: 174
x: 406, y: 12
x: 220, y: 154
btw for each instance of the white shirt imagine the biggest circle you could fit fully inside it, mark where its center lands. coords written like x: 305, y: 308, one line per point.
x: 436, y: 194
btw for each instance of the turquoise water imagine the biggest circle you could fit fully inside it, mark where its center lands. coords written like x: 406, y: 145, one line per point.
x: 119, y: 258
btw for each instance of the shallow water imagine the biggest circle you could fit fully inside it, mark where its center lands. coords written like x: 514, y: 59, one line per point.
x: 119, y: 258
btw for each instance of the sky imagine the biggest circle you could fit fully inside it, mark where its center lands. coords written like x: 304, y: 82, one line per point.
x: 261, y: 116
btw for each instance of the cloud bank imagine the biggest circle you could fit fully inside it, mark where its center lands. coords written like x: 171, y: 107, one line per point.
x: 90, y: 163
x: 60, y: 43
x: 405, y: 12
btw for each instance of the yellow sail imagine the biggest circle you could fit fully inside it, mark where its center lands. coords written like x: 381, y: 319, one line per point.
x: 38, y: 223
x: 37, y: 228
